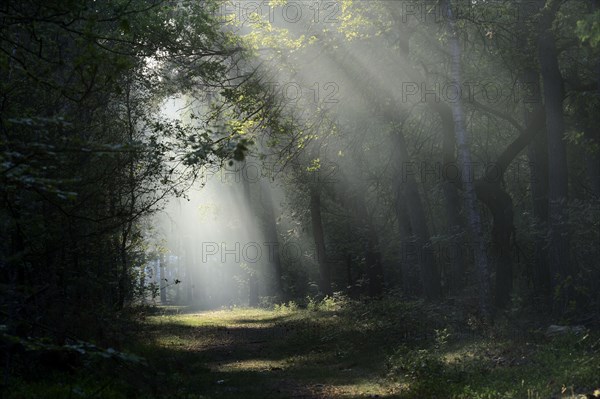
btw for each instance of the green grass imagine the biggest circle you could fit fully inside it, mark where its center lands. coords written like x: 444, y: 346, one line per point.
x: 338, y: 349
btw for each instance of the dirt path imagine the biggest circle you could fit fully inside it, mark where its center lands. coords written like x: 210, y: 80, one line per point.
x: 258, y: 354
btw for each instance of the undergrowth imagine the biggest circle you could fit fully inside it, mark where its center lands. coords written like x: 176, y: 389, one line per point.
x: 335, y: 347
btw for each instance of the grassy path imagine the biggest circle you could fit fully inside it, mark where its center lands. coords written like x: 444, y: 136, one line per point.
x: 253, y: 353
x: 333, y: 349
x: 369, y: 352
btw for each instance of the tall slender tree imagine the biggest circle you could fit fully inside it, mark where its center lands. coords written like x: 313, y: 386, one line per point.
x: 464, y: 155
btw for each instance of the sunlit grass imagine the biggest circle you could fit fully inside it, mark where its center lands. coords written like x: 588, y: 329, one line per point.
x: 343, y: 349
x: 259, y: 365
x: 288, y: 343
x: 235, y: 317
x: 354, y: 350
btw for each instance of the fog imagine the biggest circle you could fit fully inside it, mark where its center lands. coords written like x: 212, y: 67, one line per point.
x: 358, y: 102
x: 222, y: 233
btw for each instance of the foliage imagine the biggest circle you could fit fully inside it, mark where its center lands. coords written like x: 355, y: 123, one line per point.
x: 88, y: 155
x: 588, y: 29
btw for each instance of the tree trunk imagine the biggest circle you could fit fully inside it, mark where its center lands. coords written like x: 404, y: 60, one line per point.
x: 537, y: 152
x: 272, y: 237
x: 162, y: 282
x: 253, y: 292
x: 558, y: 259
x: 189, y: 271
x: 354, y: 200
x: 500, y: 204
x: 538, y: 160
x: 407, y: 185
x: 319, y: 237
x: 454, y: 224
x: 123, y: 278
x: 430, y: 277
x: 349, y: 270
x: 373, y: 265
x: 253, y: 297
x: 473, y: 216
x: 411, y: 284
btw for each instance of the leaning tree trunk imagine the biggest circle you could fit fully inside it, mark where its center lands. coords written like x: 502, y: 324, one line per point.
x: 473, y: 216
x: 319, y: 237
x: 489, y: 190
x: 558, y: 259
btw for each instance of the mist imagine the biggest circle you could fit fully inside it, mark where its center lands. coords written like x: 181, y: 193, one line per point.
x: 360, y: 129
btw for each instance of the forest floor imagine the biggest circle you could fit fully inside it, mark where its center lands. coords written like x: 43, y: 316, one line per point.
x: 333, y: 349
x: 380, y: 350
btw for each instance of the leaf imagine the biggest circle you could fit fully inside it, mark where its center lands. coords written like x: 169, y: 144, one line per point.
x: 124, y: 26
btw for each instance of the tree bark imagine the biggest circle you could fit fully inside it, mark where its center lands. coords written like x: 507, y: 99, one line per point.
x: 411, y: 283
x: 319, y: 237
x: 537, y: 154
x: 372, y: 255
x: 407, y: 185
x: 272, y: 237
x: 500, y: 204
x: 552, y: 79
x: 430, y: 277
x: 473, y: 216
x: 253, y: 291
x: 161, y: 282
x: 454, y: 224
x: 354, y: 200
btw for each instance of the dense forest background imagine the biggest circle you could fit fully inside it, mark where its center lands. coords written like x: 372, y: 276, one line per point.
x: 234, y: 153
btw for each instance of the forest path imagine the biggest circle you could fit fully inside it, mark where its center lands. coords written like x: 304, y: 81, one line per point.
x: 378, y: 349
x: 255, y: 353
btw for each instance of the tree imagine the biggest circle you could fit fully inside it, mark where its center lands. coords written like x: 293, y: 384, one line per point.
x: 464, y: 154
x: 86, y: 156
x: 553, y: 93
